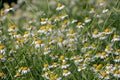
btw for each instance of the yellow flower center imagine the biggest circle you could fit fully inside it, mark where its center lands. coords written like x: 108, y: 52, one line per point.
x: 59, y: 5
x: 80, y: 67
x: 95, y: 32
x: 117, y: 57
x: 1, y: 74
x: 45, y: 65
x: 92, y: 9
x: 17, y: 74
x: 103, y: 53
x: 65, y: 71
x: 95, y: 65
x: 26, y: 32
x: 7, y: 6
x: 43, y: 27
x: 43, y: 19
x: 71, y: 32
x: 101, y: 1
x: 60, y: 40
x: 115, y: 36
x: 103, y: 74
x: 118, y: 50
x: 86, y: 18
x: 108, y: 48
x: 64, y: 63
x: 86, y: 45
x: 62, y: 57
x: 107, y: 30
x: 35, y: 39
x: 39, y: 42
x: 102, y: 35
x: 99, y: 67
x: 55, y: 63
x: 23, y: 68
x: 10, y: 58
x: 2, y: 12
x: 12, y: 27
x: 2, y: 47
x: 56, y: 76
x: 108, y: 64
x: 116, y: 65
x: 1, y: 56
x: 79, y: 23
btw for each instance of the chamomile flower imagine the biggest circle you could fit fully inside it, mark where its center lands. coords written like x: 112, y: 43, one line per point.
x: 104, y: 55
x: 2, y: 58
x: 8, y: 8
x: 10, y: 59
x: 117, y: 52
x: 30, y: 28
x: 44, y: 21
x: 92, y: 10
x: 57, y: 77
x: 2, y: 75
x: 79, y: 25
x: 95, y: 34
x: 54, y: 65
x: 74, y: 21
x: 63, y: 16
x: 102, y: 36
x: 60, y: 42
x: 108, y: 49
x: 108, y: 31
x: 23, y: 70
x: 17, y: 74
x: 65, y: 23
x: 46, y: 51
x: 42, y: 30
x: 117, y: 74
x: 2, y: 12
x: 60, y: 7
x: 64, y: 65
x: 78, y: 59
x: 66, y: 72
x: 104, y: 76
x: 57, y: 19
x: 12, y: 28
x: 117, y: 59
x: 2, y: 49
x: 39, y: 43
x: 26, y: 34
x: 98, y: 16
x: 99, y: 67
x: 81, y: 67
x: 109, y: 66
x: 101, y: 3
x: 115, y: 38
x: 46, y: 67
x: 105, y: 10
x: 71, y: 33
x: 87, y: 20
x: 63, y: 58
x: 46, y: 74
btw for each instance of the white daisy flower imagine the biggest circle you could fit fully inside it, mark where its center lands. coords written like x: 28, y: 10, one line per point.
x: 23, y: 70
x: 60, y: 7
x: 66, y: 73
x: 115, y: 38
